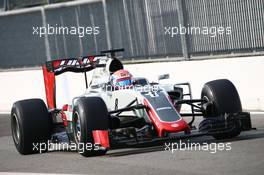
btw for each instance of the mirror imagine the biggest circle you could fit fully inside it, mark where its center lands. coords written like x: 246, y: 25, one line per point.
x: 163, y: 76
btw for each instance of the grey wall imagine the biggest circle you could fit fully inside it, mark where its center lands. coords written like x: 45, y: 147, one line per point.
x: 18, y: 47
x: 245, y: 17
x: 72, y: 45
x: 136, y: 25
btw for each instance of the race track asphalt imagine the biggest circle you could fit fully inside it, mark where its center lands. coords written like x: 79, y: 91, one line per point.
x: 245, y: 157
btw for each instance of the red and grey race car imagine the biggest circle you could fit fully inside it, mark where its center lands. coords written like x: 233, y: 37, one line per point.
x: 120, y: 110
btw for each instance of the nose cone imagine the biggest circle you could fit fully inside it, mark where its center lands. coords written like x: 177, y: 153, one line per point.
x: 173, y: 127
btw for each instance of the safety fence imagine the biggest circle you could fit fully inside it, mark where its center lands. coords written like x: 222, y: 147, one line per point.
x: 145, y: 28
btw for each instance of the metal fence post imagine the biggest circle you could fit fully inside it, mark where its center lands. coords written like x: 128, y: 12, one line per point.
x: 108, y: 38
x: 44, y: 22
x: 184, y: 37
x: 6, y: 5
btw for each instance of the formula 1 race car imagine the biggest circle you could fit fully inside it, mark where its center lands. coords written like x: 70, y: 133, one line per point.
x: 118, y: 109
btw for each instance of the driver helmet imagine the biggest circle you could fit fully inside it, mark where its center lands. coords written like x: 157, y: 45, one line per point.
x: 121, y: 78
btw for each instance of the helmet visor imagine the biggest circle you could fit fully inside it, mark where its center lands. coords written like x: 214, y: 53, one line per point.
x: 124, y: 82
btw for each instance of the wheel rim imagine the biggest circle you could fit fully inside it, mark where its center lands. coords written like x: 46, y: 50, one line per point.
x: 206, y: 98
x: 77, y: 127
x: 15, y: 128
x: 210, y: 111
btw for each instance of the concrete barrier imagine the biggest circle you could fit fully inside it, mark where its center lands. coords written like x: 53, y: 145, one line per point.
x: 245, y: 72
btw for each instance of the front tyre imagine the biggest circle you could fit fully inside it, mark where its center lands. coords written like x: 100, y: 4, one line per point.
x: 90, y: 113
x: 223, y: 99
x: 30, y: 125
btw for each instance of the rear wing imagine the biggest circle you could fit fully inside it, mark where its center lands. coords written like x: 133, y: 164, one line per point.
x: 83, y: 64
x: 56, y: 67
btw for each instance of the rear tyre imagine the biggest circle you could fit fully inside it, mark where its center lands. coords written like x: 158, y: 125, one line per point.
x: 224, y: 99
x: 90, y: 113
x: 30, y: 125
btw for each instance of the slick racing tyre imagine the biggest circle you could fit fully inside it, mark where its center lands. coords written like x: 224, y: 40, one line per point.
x: 31, y: 126
x: 224, y: 100
x: 90, y: 113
